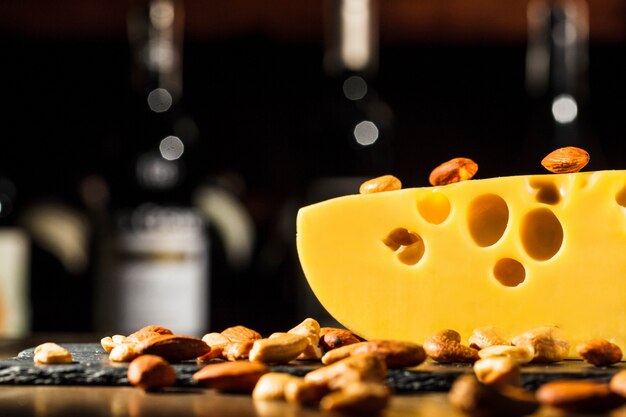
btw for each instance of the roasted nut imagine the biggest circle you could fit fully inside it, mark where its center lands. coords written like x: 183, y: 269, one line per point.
x: 150, y: 372
x: 395, y: 353
x: 147, y: 332
x: 360, y: 398
x: 107, y: 344
x: 618, y: 383
x: 118, y: 339
x: 579, y: 396
x: 215, y: 339
x: 239, y: 376
x: 310, y: 329
x: 299, y: 391
x: 280, y: 349
x: 362, y: 367
x: 51, y: 353
x: 455, y: 170
x: 271, y: 386
x: 568, y: 159
x: 546, y: 344
x: 173, y: 348
x: 380, y: 184
x: 445, y: 347
x: 124, y: 352
x: 332, y: 338
x: 476, y: 399
x: 483, y: 337
x: 521, y: 355
x: 236, y: 350
x: 498, y: 371
x: 340, y: 353
x: 599, y: 352
x: 241, y: 334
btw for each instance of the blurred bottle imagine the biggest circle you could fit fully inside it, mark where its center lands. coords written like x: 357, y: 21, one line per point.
x: 351, y: 63
x: 557, y: 78
x: 158, y: 272
x: 14, y: 262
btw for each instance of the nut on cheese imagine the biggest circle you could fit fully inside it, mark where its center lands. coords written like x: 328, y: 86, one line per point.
x: 516, y: 252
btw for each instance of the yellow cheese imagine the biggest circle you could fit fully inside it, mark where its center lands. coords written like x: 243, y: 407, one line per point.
x: 513, y: 252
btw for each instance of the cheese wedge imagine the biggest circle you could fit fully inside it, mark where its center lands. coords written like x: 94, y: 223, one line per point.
x: 514, y: 252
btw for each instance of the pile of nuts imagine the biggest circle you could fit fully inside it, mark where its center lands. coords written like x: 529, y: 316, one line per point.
x: 352, y: 378
x: 495, y: 386
x: 238, y: 358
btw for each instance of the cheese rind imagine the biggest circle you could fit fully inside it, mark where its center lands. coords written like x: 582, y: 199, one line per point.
x: 513, y: 252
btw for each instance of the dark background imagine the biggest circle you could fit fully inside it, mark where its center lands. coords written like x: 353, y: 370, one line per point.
x: 269, y: 115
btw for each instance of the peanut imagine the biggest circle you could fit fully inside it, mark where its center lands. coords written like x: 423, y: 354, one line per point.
x: 281, y: 349
x: 299, y: 391
x: 498, y: 371
x: 476, y: 399
x: 599, y: 352
x: 107, y: 344
x: 362, y: 367
x: 445, y: 347
x: 567, y: 159
x: 521, y: 355
x: 310, y: 329
x: 51, y: 353
x: 618, y: 383
x: 360, y: 398
x: 271, y: 386
x: 380, y: 184
x: 546, y: 344
x: 151, y: 372
x: 332, y: 338
x: 236, y: 350
x: 340, y: 353
x: 239, y: 376
x: 579, y: 396
x: 483, y: 337
x: 124, y: 352
x: 454, y: 170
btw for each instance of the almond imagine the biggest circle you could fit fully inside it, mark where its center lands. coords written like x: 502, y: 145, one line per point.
x: 241, y: 334
x: 564, y: 160
x: 579, y: 396
x: 380, y: 184
x: 599, y: 352
x: 618, y: 383
x: 151, y: 372
x: 454, y: 170
x: 239, y: 376
x: 173, y: 348
x: 332, y: 338
x: 395, y: 353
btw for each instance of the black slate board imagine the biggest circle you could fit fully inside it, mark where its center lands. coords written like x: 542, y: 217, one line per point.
x: 92, y: 367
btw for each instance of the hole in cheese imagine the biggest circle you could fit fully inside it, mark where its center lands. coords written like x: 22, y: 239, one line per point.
x: 541, y: 234
x: 509, y: 272
x: 434, y: 208
x: 547, y: 192
x: 409, y: 246
x: 487, y: 217
x: 621, y: 197
x: 400, y: 237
